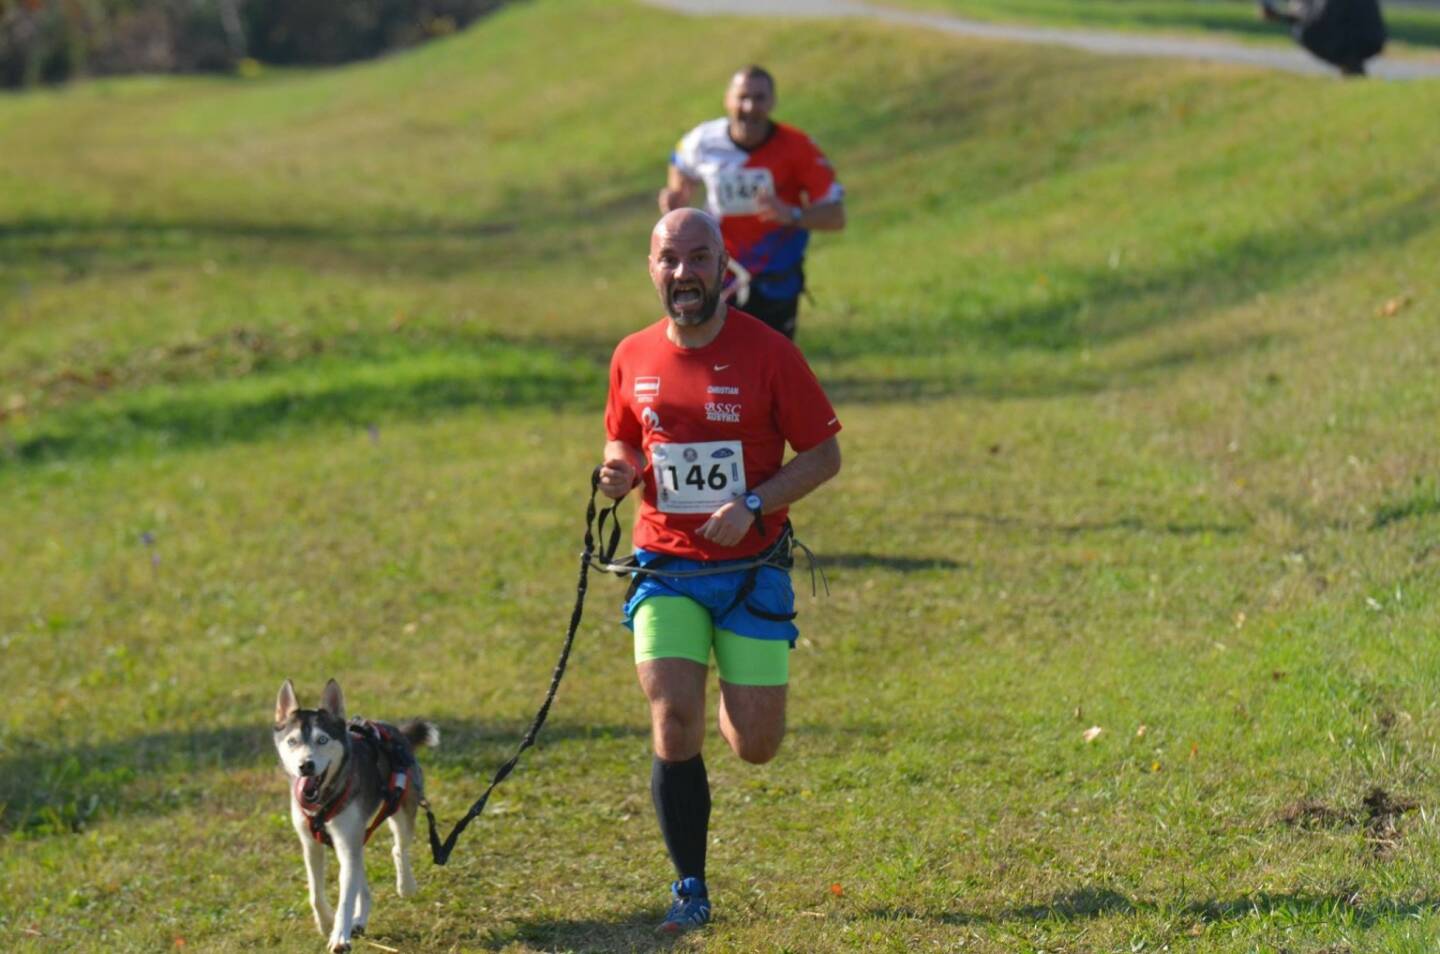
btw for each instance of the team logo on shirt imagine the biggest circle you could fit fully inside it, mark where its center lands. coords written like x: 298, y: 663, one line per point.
x: 647, y: 389
x: 651, y: 419
x: 722, y: 411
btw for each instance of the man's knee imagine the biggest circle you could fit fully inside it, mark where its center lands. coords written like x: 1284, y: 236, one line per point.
x: 677, y: 732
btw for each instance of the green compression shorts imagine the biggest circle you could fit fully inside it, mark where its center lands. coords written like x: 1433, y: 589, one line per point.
x: 677, y: 627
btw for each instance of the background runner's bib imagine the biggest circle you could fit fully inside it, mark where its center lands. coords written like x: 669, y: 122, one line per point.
x: 697, y: 478
x: 736, y: 189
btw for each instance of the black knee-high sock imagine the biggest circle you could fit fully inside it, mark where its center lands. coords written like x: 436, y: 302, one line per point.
x: 681, y: 791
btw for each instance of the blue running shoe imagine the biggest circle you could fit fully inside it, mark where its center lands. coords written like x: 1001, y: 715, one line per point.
x: 690, y: 910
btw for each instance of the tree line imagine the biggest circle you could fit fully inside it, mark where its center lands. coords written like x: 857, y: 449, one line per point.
x: 51, y: 41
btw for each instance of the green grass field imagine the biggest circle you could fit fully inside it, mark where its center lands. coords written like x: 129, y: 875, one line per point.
x: 302, y: 376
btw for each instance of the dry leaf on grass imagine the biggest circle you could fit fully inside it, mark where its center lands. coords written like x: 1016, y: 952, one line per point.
x: 1393, y: 306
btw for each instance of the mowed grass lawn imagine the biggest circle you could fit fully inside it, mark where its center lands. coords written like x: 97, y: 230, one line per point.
x: 302, y: 377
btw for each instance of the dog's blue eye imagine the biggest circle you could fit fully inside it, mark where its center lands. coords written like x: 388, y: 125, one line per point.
x: 292, y: 742
x: 321, y: 740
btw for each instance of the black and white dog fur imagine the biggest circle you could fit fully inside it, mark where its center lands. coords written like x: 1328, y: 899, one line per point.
x: 320, y: 757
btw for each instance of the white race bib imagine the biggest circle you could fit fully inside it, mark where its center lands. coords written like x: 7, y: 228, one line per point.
x: 736, y: 189
x: 697, y: 478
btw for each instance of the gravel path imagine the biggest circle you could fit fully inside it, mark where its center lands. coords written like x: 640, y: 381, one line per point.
x: 1291, y: 59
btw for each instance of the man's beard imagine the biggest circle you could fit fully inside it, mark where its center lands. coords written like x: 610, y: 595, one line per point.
x: 709, y: 305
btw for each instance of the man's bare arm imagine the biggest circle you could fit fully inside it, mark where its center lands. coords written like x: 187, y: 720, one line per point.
x: 807, y: 470
x: 820, y: 217
x: 824, y: 216
x: 678, y: 191
x: 801, y: 475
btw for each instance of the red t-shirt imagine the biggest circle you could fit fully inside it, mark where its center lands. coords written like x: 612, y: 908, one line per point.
x: 698, y: 413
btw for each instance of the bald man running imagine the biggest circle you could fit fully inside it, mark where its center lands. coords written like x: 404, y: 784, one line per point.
x: 701, y: 406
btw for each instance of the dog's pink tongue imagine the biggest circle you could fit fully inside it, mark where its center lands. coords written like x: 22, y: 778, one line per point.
x: 309, y: 788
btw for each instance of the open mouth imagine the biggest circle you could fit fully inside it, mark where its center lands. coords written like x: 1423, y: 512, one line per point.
x: 310, y: 788
x: 687, y: 297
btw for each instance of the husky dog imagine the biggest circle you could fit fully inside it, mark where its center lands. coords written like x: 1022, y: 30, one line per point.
x: 343, y: 780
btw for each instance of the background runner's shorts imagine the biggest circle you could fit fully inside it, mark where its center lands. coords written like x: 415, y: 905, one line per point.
x: 778, y: 313
x: 773, y: 596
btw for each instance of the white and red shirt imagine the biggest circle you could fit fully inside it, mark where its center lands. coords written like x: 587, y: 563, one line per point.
x: 786, y: 165
x: 713, y: 423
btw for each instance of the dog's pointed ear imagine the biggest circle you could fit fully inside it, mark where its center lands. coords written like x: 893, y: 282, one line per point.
x: 333, y: 701
x: 285, y: 702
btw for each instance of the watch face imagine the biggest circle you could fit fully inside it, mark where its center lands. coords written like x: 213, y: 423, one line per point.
x: 752, y: 501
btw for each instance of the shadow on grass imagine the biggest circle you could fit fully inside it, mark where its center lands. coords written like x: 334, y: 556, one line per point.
x: 629, y: 932
x: 51, y: 790
x: 181, y: 231
x: 81, y: 249
x: 1094, y: 902
x: 1079, y: 527
x: 436, y: 250
x: 259, y: 406
x: 1424, y: 502
x: 1342, y: 907
x: 994, y: 381
x: 54, y: 790
x: 880, y: 561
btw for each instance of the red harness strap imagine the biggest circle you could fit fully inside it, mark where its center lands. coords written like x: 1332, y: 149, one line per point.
x: 396, y: 749
x: 318, y: 814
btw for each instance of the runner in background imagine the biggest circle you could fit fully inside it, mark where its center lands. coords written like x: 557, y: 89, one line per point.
x: 769, y: 186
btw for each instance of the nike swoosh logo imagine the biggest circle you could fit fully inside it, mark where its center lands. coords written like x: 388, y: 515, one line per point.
x: 721, y: 367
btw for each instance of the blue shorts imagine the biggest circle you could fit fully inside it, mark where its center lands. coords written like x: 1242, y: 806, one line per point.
x: 773, y: 596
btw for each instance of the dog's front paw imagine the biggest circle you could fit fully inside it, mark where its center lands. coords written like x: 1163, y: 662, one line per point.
x: 405, y: 885
x: 339, y: 947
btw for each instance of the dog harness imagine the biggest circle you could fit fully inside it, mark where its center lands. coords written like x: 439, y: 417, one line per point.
x: 390, y: 749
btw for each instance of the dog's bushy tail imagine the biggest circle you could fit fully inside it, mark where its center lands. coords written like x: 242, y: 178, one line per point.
x: 419, y: 732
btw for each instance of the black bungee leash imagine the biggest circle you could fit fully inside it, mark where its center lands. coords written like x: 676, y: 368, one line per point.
x: 441, y: 852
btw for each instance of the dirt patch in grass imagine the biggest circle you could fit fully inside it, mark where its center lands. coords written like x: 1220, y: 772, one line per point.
x: 1378, y: 814
x: 1382, y: 816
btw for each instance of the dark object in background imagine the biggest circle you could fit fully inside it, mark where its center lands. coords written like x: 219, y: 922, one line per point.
x: 1344, y: 33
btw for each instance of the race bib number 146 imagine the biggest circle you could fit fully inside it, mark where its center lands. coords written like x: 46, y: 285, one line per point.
x: 697, y: 478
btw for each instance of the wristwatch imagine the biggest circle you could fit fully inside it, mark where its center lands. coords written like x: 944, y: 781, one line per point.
x: 796, y: 214
x: 756, y: 506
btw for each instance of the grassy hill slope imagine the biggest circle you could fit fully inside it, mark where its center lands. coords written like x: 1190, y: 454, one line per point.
x: 301, y: 377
